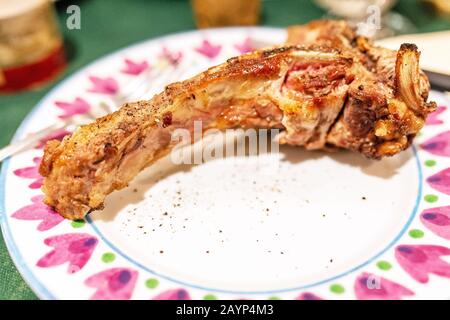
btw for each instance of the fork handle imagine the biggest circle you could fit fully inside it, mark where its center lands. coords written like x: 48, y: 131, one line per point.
x: 29, y: 142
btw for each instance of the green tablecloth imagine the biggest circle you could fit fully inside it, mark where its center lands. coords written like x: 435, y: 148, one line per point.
x: 109, y: 25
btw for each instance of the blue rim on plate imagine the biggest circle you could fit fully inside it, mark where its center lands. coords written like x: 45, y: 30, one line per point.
x: 343, y: 274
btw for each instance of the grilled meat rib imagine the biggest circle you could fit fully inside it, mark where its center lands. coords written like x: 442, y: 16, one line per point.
x: 317, y: 95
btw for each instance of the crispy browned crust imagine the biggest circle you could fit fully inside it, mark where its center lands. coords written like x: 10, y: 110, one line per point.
x: 71, y: 168
x: 362, y: 99
x: 383, y: 111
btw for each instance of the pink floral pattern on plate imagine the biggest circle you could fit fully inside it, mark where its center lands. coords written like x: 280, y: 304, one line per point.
x: 31, y: 173
x: 104, y: 85
x: 438, y: 145
x: 134, y: 68
x: 308, y: 296
x: 421, y: 260
x: 56, y: 135
x: 437, y: 220
x: 208, y: 49
x: 113, y: 284
x: 78, y: 106
x: 39, y: 211
x: 173, y: 294
x: 245, y: 46
x: 74, y: 248
x: 371, y: 287
x: 433, y: 119
x: 440, y: 181
x: 173, y: 57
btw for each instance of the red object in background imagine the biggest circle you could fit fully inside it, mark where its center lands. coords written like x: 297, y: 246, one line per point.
x: 32, y: 74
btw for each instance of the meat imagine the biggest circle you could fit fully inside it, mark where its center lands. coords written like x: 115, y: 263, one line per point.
x: 380, y: 101
x: 329, y: 94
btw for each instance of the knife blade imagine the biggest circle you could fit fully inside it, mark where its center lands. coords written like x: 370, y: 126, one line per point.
x: 438, y: 81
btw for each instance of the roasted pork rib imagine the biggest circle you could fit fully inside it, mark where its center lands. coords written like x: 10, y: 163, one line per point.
x: 338, y: 92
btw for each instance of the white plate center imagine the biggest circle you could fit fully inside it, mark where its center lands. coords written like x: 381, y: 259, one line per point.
x: 262, y: 223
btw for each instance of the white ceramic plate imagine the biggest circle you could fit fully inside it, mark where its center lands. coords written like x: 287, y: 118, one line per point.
x: 287, y: 225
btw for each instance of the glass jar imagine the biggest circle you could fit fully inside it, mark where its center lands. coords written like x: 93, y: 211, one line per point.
x: 31, y: 46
